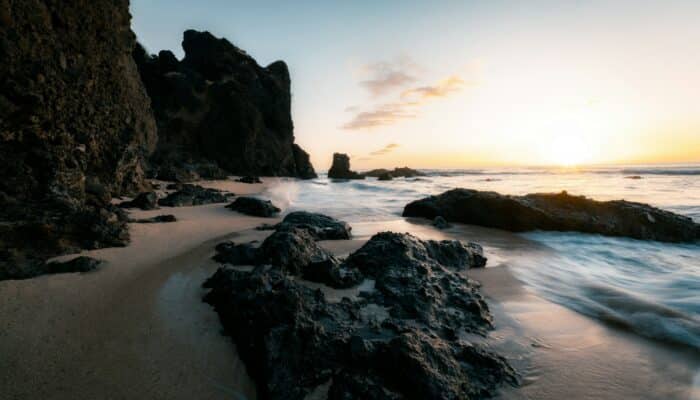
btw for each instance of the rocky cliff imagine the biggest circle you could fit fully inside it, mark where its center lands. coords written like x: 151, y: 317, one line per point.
x: 75, y: 126
x: 218, y: 106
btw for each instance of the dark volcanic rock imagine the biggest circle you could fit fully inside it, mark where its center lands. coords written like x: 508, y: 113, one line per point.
x: 397, y: 172
x: 193, y: 195
x: 78, y: 264
x: 236, y: 254
x: 319, y: 226
x: 249, y: 179
x: 253, y: 206
x: 219, y: 105
x: 403, y: 341
x: 75, y: 124
x: 556, y: 212
x: 157, y: 219
x: 144, y: 201
x: 341, y: 168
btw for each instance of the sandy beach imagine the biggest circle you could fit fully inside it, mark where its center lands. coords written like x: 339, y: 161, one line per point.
x: 138, y: 329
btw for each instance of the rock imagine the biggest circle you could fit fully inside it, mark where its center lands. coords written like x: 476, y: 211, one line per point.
x: 78, y: 264
x: 144, y: 201
x: 157, y: 219
x: 253, y: 206
x: 341, y: 168
x: 397, y: 172
x: 400, y: 342
x: 218, y: 105
x: 249, y: 179
x: 556, y: 212
x: 236, y: 254
x: 633, y: 177
x: 75, y: 126
x: 193, y: 195
x: 440, y: 222
x: 319, y: 226
x: 387, y: 176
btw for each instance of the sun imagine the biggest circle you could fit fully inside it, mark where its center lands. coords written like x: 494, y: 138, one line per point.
x: 567, y: 151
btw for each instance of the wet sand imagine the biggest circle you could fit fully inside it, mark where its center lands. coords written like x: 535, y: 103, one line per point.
x: 137, y: 328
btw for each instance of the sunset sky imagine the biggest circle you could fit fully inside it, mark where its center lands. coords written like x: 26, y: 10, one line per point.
x: 461, y: 84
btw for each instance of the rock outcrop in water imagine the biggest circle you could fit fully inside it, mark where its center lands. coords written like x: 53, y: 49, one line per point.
x: 403, y: 340
x: 75, y: 126
x: 340, y: 169
x: 319, y: 226
x: 253, y: 206
x: 219, y: 108
x: 556, y: 212
x: 398, y: 172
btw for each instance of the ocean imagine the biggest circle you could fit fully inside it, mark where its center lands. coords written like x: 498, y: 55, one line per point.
x: 649, y: 288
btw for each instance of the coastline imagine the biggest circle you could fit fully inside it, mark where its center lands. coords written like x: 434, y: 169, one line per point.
x: 138, y: 327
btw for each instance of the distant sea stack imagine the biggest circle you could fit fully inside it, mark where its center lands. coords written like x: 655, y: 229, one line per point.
x: 218, y: 109
x: 75, y: 128
x: 341, y: 168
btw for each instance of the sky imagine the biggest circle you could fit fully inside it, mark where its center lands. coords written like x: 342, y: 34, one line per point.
x: 451, y: 84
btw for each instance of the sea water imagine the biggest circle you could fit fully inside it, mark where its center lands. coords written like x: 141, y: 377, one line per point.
x: 649, y: 288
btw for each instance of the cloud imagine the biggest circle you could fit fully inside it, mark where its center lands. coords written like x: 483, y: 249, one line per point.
x: 383, y: 114
x: 442, y: 89
x: 386, y: 76
x: 385, y: 150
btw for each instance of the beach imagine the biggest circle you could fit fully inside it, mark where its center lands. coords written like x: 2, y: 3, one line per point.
x: 138, y: 329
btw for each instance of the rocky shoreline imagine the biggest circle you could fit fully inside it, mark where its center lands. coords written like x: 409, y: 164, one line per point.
x: 407, y: 338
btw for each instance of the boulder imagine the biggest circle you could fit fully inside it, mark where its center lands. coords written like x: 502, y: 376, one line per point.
x: 249, y: 179
x: 144, y: 201
x: 193, y: 195
x: 387, y: 176
x: 556, y: 212
x: 401, y: 341
x: 319, y: 226
x: 236, y: 254
x: 341, y: 168
x: 157, y: 219
x: 219, y: 105
x: 78, y: 264
x: 254, y: 207
x: 398, y: 172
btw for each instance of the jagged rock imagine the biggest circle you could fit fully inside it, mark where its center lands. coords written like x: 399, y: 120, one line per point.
x: 319, y: 226
x: 249, y: 179
x: 157, y: 219
x: 253, y: 206
x: 440, y: 222
x: 397, y: 172
x: 78, y: 264
x: 144, y: 201
x: 400, y: 342
x: 340, y: 169
x: 193, y: 195
x: 556, y: 212
x: 75, y: 125
x: 387, y: 176
x: 219, y: 105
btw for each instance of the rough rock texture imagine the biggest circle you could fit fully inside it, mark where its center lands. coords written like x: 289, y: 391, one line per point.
x: 405, y: 340
x: 157, y: 219
x: 219, y: 106
x: 75, y: 125
x: 319, y: 226
x: 557, y: 212
x: 78, y: 264
x: 340, y: 169
x: 254, y: 207
x: 144, y: 201
x: 193, y: 195
x: 397, y: 172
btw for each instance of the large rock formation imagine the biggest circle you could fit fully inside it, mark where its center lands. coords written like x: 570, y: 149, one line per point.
x: 410, y: 338
x: 397, y: 172
x: 340, y: 169
x: 75, y: 125
x: 556, y: 212
x: 219, y: 106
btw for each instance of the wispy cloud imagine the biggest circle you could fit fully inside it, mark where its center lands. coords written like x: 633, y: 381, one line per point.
x: 385, y: 150
x: 443, y: 88
x: 386, y: 76
x: 382, y: 114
